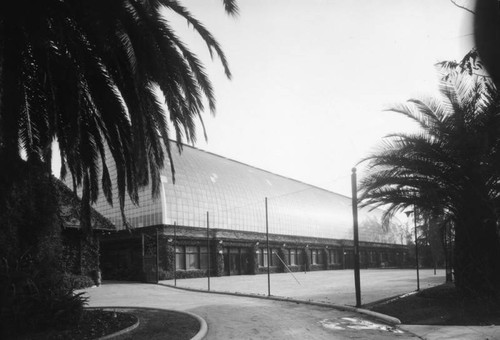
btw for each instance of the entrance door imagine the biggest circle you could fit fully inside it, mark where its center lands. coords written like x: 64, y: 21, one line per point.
x: 244, y: 261
x: 236, y: 260
x: 348, y: 259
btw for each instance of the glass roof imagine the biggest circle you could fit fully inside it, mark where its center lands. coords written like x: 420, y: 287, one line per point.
x: 234, y: 195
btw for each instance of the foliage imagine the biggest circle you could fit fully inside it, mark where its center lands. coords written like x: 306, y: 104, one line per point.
x: 34, y: 296
x: 306, y: 259
x: 253, y: 259
x: 80, y: 253
x: 167, y: 257
x: 219, y: 260
x: 450, y: 170
x: 190, y: 274
x: 281, y: 265
x: 32, y: 288
x: 324, y: 254
x: 87, y: 74
x: 73, y: 281
x: 431, y: 245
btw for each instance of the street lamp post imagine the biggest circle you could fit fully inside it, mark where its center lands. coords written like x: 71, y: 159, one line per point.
x: 416, y: 243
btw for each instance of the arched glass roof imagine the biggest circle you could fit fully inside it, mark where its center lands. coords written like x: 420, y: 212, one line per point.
x: 234, y: 195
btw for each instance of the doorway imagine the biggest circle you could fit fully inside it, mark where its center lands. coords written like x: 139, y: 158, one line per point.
x: 236, y: 260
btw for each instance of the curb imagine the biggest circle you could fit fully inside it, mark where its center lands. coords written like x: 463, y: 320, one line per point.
x: 120, y: 332
x: 390, y: 299
x: 199, y: 336
x: 382, y: 317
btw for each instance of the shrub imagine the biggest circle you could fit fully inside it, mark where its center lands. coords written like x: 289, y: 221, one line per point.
x: 72, y: 281
x: 35, y: 297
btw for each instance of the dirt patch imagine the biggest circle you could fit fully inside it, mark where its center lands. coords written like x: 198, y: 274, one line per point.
x: 441, y: 305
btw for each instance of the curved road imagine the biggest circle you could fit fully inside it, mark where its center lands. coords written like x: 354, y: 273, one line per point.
x: 235, y: 317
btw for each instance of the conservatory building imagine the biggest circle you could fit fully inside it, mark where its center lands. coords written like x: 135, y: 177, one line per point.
x: 223, y: 217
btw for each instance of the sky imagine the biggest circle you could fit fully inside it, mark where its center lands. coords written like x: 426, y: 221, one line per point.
x: 311, y: 78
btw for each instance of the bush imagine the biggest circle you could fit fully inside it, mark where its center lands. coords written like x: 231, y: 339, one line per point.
x: 35, y: 297
x: 72, y: 281
x: 191, y: 274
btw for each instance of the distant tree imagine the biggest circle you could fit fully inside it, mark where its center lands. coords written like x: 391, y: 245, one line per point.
x: 449, y: 169
x: 430, y: 237
x: 85, y: 73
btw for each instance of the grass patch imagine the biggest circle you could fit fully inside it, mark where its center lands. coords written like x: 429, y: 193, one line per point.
x: 94, y: 324
x: 441, y: 305
x: 154, y: 324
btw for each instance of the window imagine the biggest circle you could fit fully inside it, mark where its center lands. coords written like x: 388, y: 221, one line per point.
x: 293, y: 257
x: 320, y: 257
x: 274, y: 257
x: 286, y: 256
x: 192, y: 258
x: 372, y: 256
x: 362, y: 257
x: 203, y: 258
x: 180, y: 258
x: 188, y: 258
x: 314, y: 256
x: 263, y: 261
x: 334, y: 256
x: 301, y: 257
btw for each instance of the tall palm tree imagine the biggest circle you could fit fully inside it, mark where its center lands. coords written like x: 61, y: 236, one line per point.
x: 85, y: 73
x: 450, y: 168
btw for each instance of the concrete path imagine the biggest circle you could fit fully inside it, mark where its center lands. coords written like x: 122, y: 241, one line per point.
x: 331, y: 286
x: 234, y: 317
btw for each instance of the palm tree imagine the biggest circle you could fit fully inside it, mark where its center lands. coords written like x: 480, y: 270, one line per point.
x: 451, y: 169
x: 86, y: 73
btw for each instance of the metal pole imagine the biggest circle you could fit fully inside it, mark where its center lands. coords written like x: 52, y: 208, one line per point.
x: 143, y: 265
x: 175, y: 254
x: 268, y: 255
x: 416, y: 245
x: 356, y: 237
x: 157, y: 257
x: 208, y: 250
x: 446, y: 254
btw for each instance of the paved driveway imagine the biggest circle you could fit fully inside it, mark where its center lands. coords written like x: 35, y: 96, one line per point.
x: 234, y: 317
